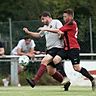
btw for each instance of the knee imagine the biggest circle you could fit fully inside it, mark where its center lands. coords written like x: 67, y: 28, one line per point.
x: 51, y: 71
x: 45, y: 62
x: 77, y: 68
x: 56, y: 60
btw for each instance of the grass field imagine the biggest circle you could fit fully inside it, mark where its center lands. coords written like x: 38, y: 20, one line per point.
x: 46, y: 91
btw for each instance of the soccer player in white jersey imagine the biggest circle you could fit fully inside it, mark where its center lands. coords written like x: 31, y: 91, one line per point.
x: 24, y: 47
x: 53, y: 43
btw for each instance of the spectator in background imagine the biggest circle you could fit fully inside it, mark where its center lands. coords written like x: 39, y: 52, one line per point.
x: 24, y: 47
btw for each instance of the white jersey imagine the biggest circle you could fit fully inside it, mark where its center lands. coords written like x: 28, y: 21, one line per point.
x: 52, y: 39
x: 25, y: 48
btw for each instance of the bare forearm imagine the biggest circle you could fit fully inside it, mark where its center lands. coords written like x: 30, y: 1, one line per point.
x: 49, y: 29
x: 2, y: 51
x: 33, y: 34
x: 53, y: 30
x: 21, y: 53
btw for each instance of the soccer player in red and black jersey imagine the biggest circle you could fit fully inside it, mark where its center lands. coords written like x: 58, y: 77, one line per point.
x: 71, y: 46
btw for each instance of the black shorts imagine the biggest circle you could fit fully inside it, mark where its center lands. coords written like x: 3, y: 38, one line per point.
x: 72, y: 54
x: 53, y: 52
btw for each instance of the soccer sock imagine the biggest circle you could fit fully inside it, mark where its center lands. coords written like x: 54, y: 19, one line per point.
x: 57, y: 76
x: 40, y: 72
x: 84, y: 72
x: 60, y: 68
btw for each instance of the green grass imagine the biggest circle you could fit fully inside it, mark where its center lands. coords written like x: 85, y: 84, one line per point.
x: 46, y: 91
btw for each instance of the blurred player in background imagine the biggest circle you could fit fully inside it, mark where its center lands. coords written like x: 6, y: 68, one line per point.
x: 54, y: 44
x: 24, y: 47
x: 71, y: 47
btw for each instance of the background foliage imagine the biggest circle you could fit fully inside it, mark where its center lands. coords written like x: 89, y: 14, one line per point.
x: 26, y: 12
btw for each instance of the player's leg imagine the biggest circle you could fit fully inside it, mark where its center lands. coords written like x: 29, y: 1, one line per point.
x: 75, y: 59
x: 51, y: 70
x: 85, y: 73
x: 47, y: 59
x: 57, y: 59
x: 66, y: 80
x: 60, y: 68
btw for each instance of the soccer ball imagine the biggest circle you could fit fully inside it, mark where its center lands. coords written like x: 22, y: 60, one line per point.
x: 23, y: 60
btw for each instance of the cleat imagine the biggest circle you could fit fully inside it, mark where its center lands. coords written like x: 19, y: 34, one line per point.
x: 65, y: 80
x: 31, y: 82
x: 66, y: 86
x: 94, y: 84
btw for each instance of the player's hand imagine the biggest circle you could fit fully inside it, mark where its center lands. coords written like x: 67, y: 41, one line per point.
x: 26, y: 30
x: 30, y: 55
x: 61, y: 35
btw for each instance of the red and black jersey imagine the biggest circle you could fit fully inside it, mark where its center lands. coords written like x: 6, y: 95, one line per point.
x: 70, y: 35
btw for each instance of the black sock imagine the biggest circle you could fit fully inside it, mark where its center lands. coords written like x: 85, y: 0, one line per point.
x: 84, y: 72
x: 60, y: 68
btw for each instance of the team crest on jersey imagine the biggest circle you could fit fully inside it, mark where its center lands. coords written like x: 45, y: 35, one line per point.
x: 50, y: 26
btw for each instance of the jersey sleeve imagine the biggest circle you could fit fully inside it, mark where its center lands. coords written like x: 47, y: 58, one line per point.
x: 58, y: 24
x: 19, y: 45
x: 42, y: 33
x: 66, y: 28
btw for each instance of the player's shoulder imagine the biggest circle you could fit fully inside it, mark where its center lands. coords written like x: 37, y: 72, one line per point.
x: 21, y: 41
x: 55, y: 20
x: 32, y: 41
x: 72, y: 22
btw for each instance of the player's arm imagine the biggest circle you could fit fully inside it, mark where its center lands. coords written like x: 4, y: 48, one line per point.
x: 2, y: 51
x: 52, y: 30
x: 60, y: 30
x: 31, y: 53
x: 33, y: 34
x: 19, y: 52
x: 49, y: 29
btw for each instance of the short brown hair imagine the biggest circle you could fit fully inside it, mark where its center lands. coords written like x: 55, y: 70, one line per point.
x: 69, y: 11
x: 45, y: 14
x: 27, y: 37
